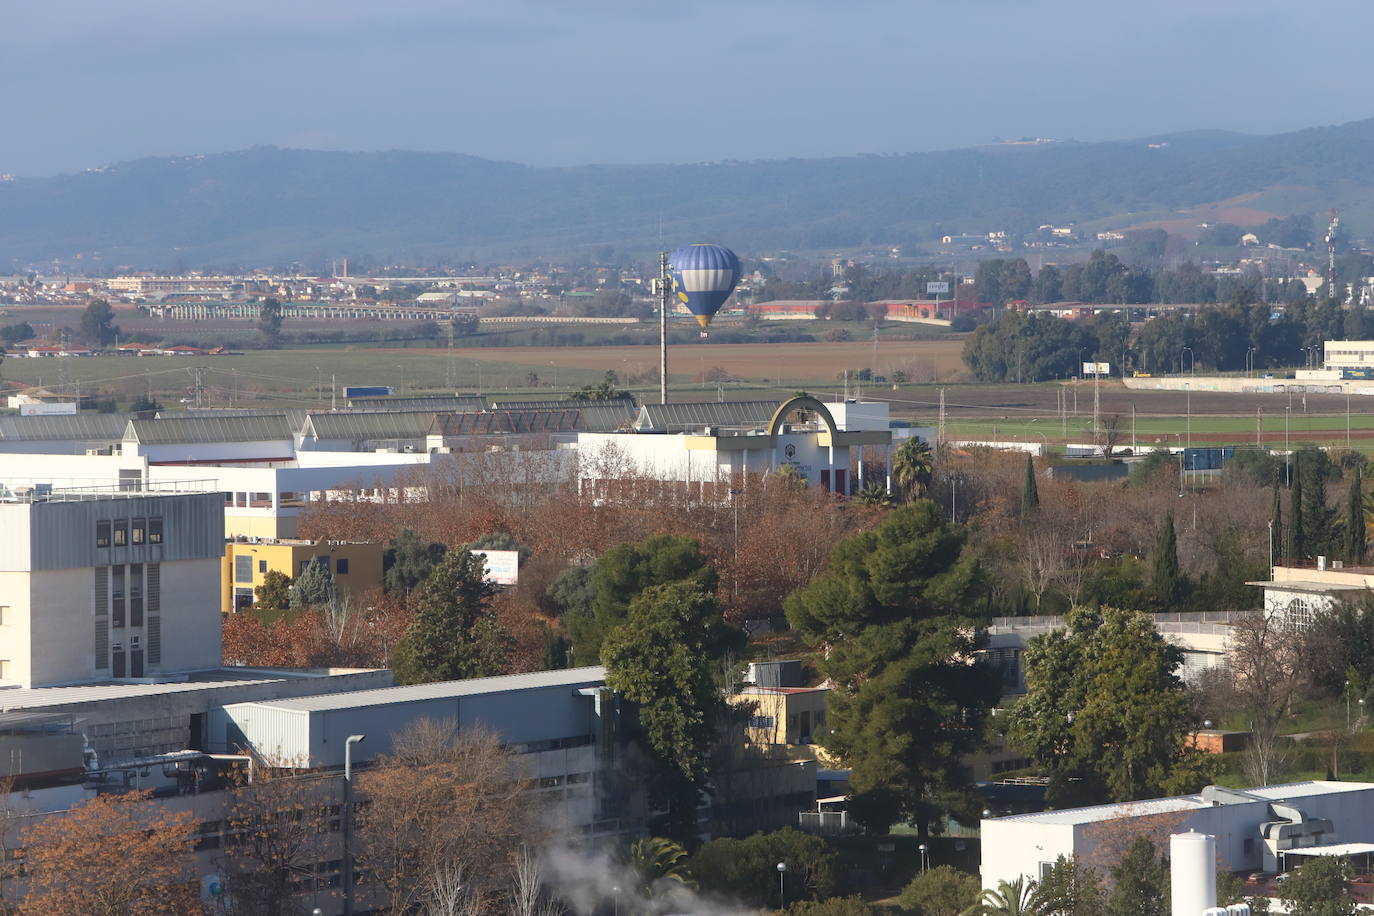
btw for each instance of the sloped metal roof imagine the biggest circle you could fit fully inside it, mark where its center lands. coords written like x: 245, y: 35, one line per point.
x: 498, y: 422
x: 437, y: 403
x: 209, y: 429
x: 295, y: 416
x: 385, y: 424
x: 81, y: 426
x: 675, y: 418
x: 597, y: 416
x: 384, y: 696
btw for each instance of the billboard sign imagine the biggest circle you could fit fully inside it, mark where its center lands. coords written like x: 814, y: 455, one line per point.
x: 1097, y: 368
x: 503, y: 566
x: 47, y: 408
x: 937, y: 288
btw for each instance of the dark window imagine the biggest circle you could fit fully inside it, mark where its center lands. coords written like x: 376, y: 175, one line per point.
x: 341, y: 566
x: 136, y: 595
x: 117, y: 595
x: 154, y: 531
x: 121, y: 532
x: 243, y: 569
x: 136, y: 532
x: 262, y: 566
x: 102, y: 534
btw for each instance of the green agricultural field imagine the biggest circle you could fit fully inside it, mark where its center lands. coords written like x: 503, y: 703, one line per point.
x: 303, y: 376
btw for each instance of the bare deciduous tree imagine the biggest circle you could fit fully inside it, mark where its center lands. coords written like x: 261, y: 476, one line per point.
x: 1266, y: 665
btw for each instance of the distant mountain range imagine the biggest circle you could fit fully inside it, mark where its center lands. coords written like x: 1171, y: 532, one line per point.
x: 269, y: 206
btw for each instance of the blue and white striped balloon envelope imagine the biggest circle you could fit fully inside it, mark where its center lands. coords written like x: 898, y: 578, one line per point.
x: 704, y: 276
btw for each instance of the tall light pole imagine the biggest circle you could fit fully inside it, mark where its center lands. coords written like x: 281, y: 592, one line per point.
x: 782, y: 892
x: 1192, y: 360
x: 1249, y: 362
x: 348, y: 822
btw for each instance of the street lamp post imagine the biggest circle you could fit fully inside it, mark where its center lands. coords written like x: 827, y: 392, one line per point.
x: 782, y: 891
x: 925, y: 856
x: 1249, y: 362
x: 348, y: 822
x: 1192, y: 360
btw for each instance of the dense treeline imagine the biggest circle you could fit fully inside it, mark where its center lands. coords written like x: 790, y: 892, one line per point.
x: 1239, y: 335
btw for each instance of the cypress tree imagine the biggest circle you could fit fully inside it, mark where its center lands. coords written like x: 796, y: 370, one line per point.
x: 1030, y: 494
x: 1166, y: 578
x: 1276, y: 519
x: 1318, y: 521
x: 1294, y: 548
x: 1354, y: 523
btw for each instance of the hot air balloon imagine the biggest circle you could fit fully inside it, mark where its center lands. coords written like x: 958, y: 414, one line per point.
x: 703, y: 278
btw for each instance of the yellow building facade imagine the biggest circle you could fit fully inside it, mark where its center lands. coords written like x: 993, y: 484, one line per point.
x: 357, y: 566
x: 783, y: 715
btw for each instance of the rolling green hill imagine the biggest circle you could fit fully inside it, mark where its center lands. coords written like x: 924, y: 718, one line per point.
x: 275, y: 206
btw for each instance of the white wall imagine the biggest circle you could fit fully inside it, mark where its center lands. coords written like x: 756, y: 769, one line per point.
x: 190, y: 615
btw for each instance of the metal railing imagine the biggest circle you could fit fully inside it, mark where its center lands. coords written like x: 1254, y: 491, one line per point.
x: 46, y: 491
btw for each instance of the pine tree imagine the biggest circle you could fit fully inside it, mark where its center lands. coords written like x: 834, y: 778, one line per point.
x: 454, y: 634
x: 1354, y: 523
x: 1030, y: 494
x: 1294, y: 547
x: 1166, y: 578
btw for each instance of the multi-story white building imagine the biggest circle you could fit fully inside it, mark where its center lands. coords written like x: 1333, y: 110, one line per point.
x: 97, y: 585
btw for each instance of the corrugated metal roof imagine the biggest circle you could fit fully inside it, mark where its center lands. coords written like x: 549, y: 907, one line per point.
x: 500, y: 403
x: 672, y: 418
x: 210, y: 429
x: 437, y: 403
x: 597, y: 416
x: 498, y: 422
x: 64, y: 426
x: 357, y: 426
x: 568, y: 677
x: 294, y: 415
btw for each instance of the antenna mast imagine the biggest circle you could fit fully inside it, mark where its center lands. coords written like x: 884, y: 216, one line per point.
x: 663, y: 287
x: 1331, y: 253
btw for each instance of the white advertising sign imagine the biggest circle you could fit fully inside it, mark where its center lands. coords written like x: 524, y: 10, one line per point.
x: 503, y: 566
x: 47, y: 408
x: 937, y: 287
x: 1097, y: 368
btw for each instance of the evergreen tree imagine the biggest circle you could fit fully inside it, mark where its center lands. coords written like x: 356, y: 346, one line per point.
x: 663, y: 658
x: 454, y: 634
x: 1318, y: 521
x: 313, y: 587
x: 1354, y: 523
x: 1166, y: 579
x: 1030, y: 494
x: 408, y: 561
x: 895, y: 609
x: 621, y: 574
x: 1140, y: 882
x: 1276, y: 534
x: 1294, y: 547
x: 274, y: 594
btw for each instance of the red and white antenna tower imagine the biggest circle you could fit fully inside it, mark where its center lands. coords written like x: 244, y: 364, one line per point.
x: 1331, y: 251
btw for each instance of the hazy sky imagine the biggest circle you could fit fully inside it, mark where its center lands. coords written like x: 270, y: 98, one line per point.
x: 88, y: 82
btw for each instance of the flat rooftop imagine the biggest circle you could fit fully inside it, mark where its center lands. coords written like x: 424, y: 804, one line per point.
x: 385, y: 696
x: 21, y: 698
x: 1095, y: 813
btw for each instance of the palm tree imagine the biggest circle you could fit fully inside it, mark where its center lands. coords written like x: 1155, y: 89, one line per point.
x: 654, y: 860
x: 1012, y: 898
x: 873, y: 494
x: 913, y: 464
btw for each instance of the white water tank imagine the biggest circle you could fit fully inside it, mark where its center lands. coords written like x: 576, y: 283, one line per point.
x: 1193, y: 873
